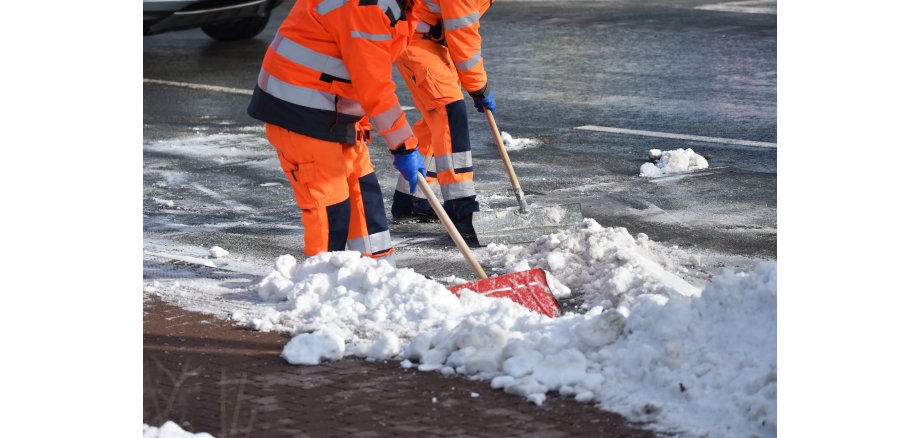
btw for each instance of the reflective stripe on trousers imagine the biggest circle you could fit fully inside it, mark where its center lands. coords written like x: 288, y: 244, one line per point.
x: 373, y: 243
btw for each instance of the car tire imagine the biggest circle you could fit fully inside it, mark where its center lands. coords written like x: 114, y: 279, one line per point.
x: 238, y: 29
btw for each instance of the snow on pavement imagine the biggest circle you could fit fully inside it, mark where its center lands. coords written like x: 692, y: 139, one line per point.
x: 670, y: 162
x: 170, y: 429
x: 648, y: 345
x: 514, y: 144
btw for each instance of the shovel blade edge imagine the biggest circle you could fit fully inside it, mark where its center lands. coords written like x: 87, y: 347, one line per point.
x: 510, y: 226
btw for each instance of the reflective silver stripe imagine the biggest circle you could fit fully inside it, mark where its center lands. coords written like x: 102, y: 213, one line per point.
x: 385, y: 5
x: 389, y: 258
x: 457, y: 23
x: 349, y: 106
x: 395, y: 138
x: 422, y: 27
x: 456, y: 160
x: 302, y: 96
x: 430, y: 164
x: 433, y: 7
x: 386, y: 119
x: 308, y: 57
x: 469, y: 63
x: 328, y: 6
x: 402, y: 185
x: 371, y: 36
x: 370, y: 244
x: 380, y: 241
x: 357, y: 244
x: 458, y: 190
x: 307, y: 97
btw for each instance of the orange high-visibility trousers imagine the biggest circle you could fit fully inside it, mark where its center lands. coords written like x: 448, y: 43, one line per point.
x: 442, y: 131
x: 337, y: 191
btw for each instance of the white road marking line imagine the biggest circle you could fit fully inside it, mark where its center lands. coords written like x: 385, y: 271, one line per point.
x: 217, y: 88
x: 228, y: 202
x: 200, y: 86
x: 761, y: 144
x: 745, y: 7
x: 187, y: 259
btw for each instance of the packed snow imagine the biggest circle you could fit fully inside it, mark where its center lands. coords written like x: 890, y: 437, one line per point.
x: 670, y: 162
x: 170, y: 429
x: 515, y: 144
x: 648, y: 344
x: 218, y: 252
x: 164, y: 202
x: 313, y: 348
x: 607, y: 265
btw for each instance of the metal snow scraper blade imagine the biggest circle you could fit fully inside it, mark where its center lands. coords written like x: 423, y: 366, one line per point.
x: 524, y: 224
x: 516, y: 226
x: 529, y: 289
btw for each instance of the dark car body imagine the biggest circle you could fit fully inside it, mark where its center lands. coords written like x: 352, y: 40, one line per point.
x: 220, y: 19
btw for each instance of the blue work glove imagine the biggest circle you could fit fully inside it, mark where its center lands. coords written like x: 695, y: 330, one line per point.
x: 409, y: 163
x: 487, y: 101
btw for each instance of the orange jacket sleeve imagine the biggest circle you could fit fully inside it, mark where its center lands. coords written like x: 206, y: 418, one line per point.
x: 368, y: 38
x: 461, y: 30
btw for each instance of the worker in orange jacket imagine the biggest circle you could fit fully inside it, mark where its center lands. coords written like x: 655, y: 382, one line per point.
x: 444, y: 55
x: 325, y: 79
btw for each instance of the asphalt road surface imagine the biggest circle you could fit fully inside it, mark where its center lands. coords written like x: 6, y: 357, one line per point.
x: 644, y: 74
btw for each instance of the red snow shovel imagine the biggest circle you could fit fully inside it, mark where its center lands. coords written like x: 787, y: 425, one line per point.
x: 528, y: 288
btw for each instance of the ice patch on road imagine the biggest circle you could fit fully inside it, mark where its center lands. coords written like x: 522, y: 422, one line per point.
x: 671, y: 162
x: 220, y: 149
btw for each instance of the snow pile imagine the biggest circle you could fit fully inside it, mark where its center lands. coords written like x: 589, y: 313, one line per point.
x: 171, y: 430
x: 218, y: 252
x: 355, y: 305
x: 606, y: 265
x: 703, y: 364
x: 516, y: 144
x: 676, y: 161
x: 707, y: 363
x: 313, y: 348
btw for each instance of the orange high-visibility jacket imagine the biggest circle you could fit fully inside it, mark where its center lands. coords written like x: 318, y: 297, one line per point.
x: 459, y: 22
x: 330, y: 65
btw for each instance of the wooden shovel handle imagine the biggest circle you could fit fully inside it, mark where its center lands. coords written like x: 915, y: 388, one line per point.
x: 501, y: 150
x: 451, y: 229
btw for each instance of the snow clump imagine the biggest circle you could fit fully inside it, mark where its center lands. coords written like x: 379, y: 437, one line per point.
x: 607, y: 265
x: 676, y: 161
x: 313, y: 348
x: 170, y: 429
x: 218, y: 252
x: 516, y: 144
